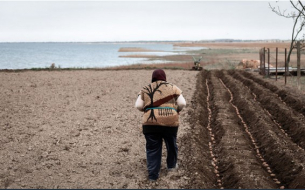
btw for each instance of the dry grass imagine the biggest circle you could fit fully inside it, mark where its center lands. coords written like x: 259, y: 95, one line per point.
x: 224, y: 55
x: 136, y: 49
x: 182, y: 66
x: 220, y: 45
x: 138, y: 56
x: 291, y: 82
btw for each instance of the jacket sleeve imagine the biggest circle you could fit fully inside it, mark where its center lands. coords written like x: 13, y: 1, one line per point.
x: 139, y: 103
x: 181, y: 103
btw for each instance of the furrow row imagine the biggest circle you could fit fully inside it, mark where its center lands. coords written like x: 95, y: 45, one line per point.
x: 237, y: 158
x: 291, y: 121
x: 282, y: 156
x: 295, y: 103
x: 212, y: 142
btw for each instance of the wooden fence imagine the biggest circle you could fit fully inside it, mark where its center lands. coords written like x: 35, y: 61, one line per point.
x: 268, y: 67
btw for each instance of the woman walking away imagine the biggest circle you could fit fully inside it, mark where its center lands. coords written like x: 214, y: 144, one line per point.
x: 161, y: 103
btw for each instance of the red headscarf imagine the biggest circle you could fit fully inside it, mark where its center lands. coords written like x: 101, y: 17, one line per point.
x: 158, y: 74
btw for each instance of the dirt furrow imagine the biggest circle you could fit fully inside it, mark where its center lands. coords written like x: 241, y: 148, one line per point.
x: 294, y: 102
x: 267, y: 112
x: 291, y: 121
x: 258, y: 153
x: 238, y: 165
x: 196, y: 143
x: 212, y: 143
x: 282, y: 156
x: 254, y: 98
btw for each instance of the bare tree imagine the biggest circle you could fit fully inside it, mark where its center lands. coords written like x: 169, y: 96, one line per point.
x: 298, y: 16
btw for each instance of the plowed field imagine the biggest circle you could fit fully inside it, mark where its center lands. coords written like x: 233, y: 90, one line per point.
x: 247, y: 133
x: 79, y: 129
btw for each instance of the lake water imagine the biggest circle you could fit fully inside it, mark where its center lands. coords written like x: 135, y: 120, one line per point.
x: 84, y: 55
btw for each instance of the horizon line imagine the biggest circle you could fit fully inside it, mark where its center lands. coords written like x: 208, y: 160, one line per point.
x: 129, y: 41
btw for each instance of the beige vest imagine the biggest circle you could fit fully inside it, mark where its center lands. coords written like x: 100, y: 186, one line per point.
x: 160, y: 104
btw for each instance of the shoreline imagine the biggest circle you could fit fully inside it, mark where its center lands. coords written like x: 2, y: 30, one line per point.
x: 217, y: 55
x: 170, y: 66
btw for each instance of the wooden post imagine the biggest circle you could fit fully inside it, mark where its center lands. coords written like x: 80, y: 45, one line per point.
x: 260, y: 61
x: 298, y: 64
x: 276, y: 54
x: 285, y: 66
x: 268, y: 62
x: 264, y: 61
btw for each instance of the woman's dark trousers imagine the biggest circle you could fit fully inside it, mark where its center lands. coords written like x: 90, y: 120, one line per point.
x: 154, y: 152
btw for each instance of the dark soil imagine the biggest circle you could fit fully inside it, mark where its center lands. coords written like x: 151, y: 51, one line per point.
x: 256, y: 137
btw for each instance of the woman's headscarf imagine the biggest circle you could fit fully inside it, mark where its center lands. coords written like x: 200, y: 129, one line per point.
x: 158, y: 74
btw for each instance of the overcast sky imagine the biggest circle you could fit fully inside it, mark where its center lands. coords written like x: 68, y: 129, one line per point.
x: 42, y: 21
